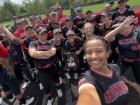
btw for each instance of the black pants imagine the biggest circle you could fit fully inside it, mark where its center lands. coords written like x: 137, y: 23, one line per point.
x: 22, y: 67
x: 135, y: 67
x: 29, y: 58
x: 9, y: 82
x: 47, y: 76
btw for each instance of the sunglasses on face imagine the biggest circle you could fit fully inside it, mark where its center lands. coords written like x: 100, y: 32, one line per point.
x: 58, y: 33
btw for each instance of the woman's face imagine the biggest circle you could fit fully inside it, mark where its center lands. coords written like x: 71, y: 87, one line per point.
x: 43, y: 37
x: 104, y: 19
x: 69, y: 23
x: 30, y: 32
x: 58, y: 37
x: 89, y: 29
x: 96, y: 54
x: 71, y: 38
x: 122, y: 5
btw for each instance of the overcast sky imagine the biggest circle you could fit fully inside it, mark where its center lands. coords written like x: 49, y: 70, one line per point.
x: 17, y: 1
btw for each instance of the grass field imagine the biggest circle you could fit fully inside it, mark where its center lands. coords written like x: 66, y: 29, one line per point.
x: 97, y: 7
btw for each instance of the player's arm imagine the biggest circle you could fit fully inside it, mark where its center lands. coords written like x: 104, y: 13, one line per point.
x: 110, y: 36
x: 41, y: 54
x: 9, y: 34
x: 88, y: 95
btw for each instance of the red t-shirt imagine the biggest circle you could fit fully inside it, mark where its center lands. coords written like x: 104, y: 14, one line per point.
x: 3, y: 52
x: 21, y: 33
x: 45, y: 20
x: 61, y: 20
x: 137, y: 12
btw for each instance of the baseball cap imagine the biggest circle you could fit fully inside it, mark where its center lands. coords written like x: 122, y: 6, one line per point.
x: 119, y: 1
x: 57, y: 30
x: 70, y: 32
x: 53, y: 13
x: 20, y: 21
x: 41, y: 31
x: 79, y: 9
x: 67, y: 19
x: 103, y: 14
x: 89, y: 11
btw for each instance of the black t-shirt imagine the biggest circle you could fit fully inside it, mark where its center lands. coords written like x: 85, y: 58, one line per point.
x: 28, y: 40
x: 42, y: 47
x: 111, y: 89
x: 129, y: 46
x: 59, y: 48
x: 116, y: 15
x: 77, y: 45
x: 103, y: 31
x: 79, y: 22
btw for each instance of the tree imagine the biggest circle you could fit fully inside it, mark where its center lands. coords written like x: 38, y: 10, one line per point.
x: 8, y: 7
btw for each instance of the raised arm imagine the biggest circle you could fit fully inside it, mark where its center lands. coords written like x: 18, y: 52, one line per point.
x: 109, y: 36
x: 9, y: 34
x: 88, y: 94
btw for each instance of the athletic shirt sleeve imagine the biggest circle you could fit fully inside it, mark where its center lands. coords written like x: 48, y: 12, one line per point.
x: 51, y: 45
x: 86, y: 80
x: 84, y: 83
x: 33, y: 45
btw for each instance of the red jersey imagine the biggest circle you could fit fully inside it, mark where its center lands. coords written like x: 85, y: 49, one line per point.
x: 3, y: 52
x: 137, y: 12
x: 61, y: 20
x: 45, y: 20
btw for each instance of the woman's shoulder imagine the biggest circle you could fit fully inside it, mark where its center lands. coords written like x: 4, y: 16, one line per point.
x: 116, y: 68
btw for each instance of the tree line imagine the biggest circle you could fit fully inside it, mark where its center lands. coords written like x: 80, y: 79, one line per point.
x: 9, y: 9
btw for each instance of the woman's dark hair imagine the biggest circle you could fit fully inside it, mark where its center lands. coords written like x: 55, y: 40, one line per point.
x: 106, y: 43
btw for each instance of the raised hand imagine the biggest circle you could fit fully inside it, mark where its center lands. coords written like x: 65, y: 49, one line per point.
x: 127, y: 22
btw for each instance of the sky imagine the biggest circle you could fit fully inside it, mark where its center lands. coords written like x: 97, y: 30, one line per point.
x: 17, y: 1
x: 1, y: 2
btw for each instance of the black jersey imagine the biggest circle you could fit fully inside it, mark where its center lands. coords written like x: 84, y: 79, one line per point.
x: 79, y: 22
x: 59, y: 48
x: 111, y: 89
x: 28, y: 40
x: 117, y: 15
x: 40, y: 63
x: 77, y: 45
x: 129, y: 46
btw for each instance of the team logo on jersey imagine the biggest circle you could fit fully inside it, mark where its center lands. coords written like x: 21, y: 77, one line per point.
x: 43, y: 47
x: 115, y: 91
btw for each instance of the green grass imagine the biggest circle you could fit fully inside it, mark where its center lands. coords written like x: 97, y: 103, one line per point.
x: 97, y: 7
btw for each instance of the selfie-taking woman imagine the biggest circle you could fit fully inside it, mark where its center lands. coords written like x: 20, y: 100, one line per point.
x: 102, y: 84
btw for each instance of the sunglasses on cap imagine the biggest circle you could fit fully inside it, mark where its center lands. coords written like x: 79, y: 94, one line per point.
x: 70, y: 35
